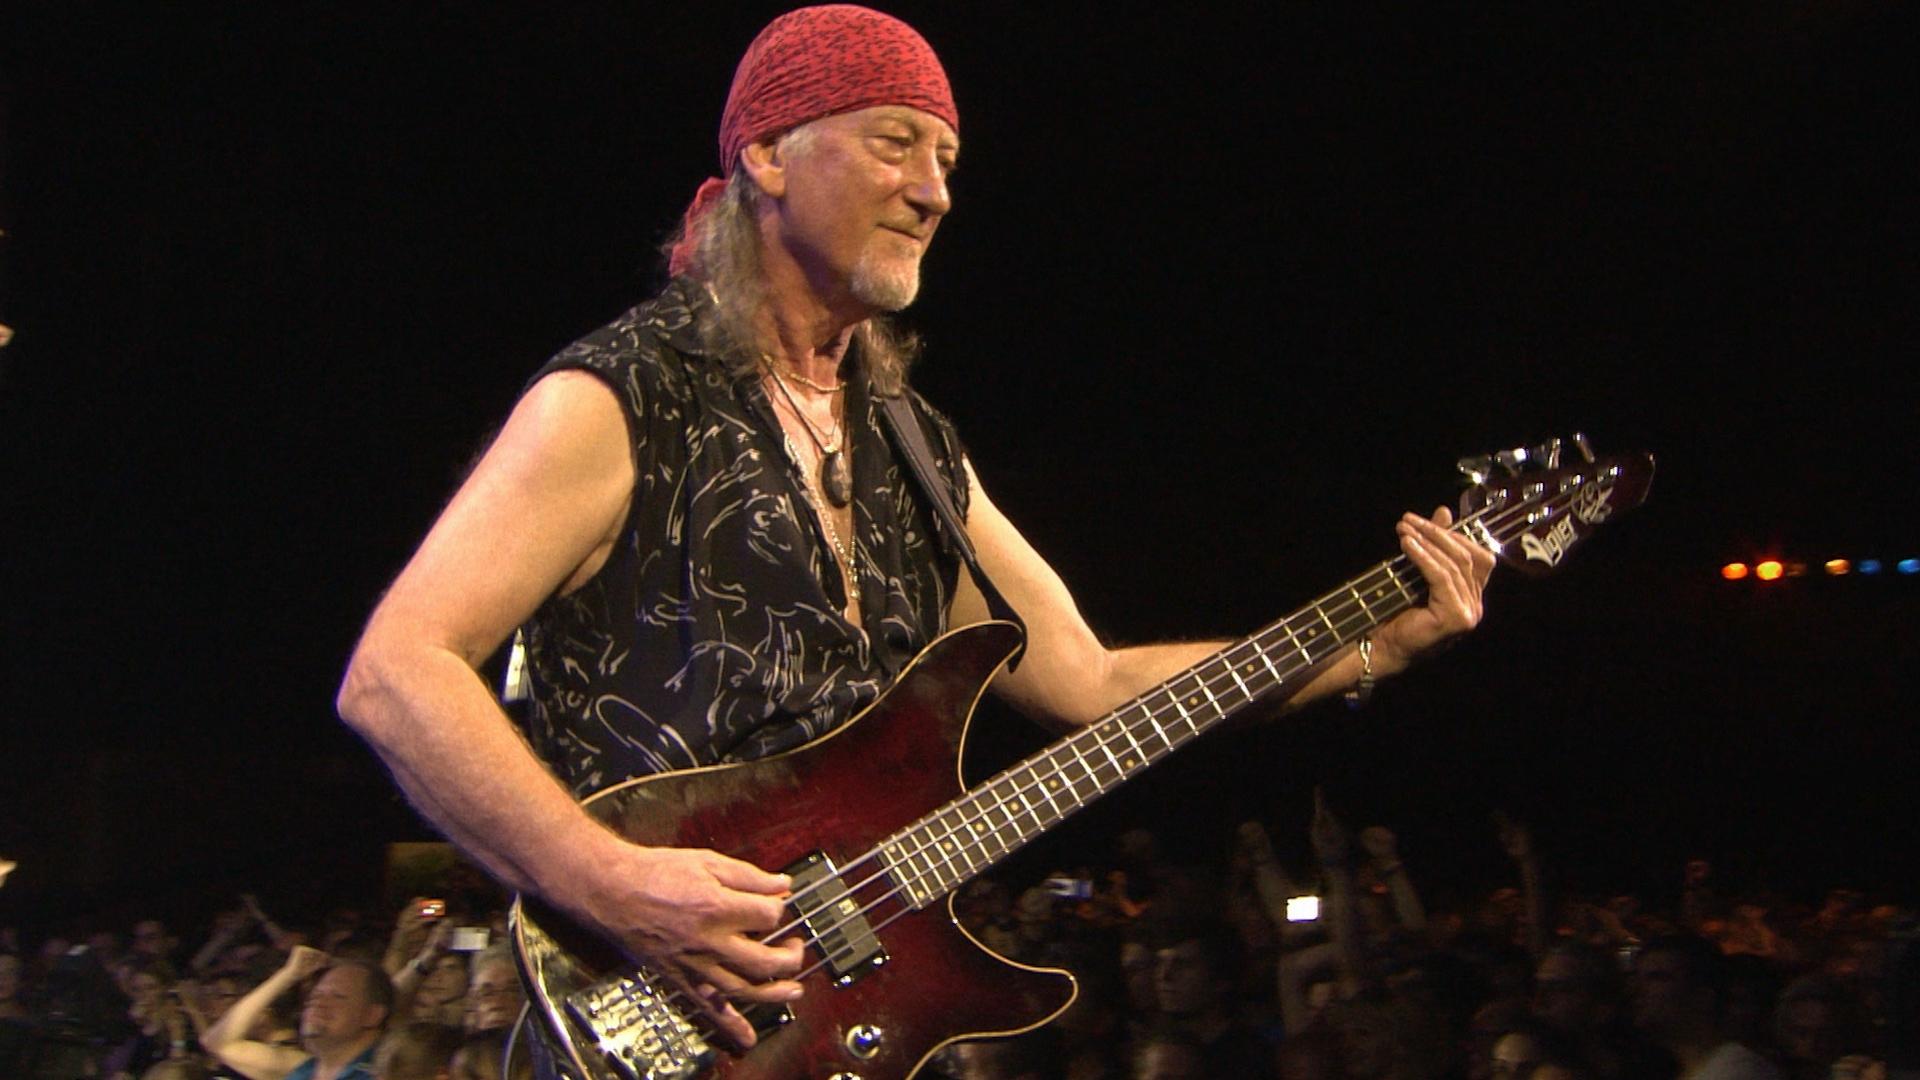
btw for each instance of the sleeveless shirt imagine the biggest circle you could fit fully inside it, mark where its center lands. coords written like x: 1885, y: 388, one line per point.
x: 714, y: 631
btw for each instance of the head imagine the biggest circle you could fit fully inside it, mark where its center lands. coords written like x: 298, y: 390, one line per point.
x: 1169, y: 1054
x: 348, y: 1006
x: 1679, y: 989
x: 836, y: 141
x: 1816, y: 1021
x: 494, y: 997
x: 421, y: 1051
x: 1577, y: 988
x: 446, y: 979
x: 480, y: 1057
x: 11, y: 972
x: 1195, y: 970
x: 150, y: 939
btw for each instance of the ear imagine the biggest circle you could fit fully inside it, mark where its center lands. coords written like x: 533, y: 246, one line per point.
x: 766, y: 166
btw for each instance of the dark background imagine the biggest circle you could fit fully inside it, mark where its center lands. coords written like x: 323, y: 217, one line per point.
x: 1223, y: 293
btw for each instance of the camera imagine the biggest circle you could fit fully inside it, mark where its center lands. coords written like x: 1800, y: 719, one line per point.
x: 467, y: 938
x: 432, y: 909
x: 1067, y: 888
x: 1303, y: 908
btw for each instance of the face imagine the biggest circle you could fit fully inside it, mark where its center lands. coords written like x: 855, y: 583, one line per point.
x: 338, y: 1009
x: 150, y: 938
x: 1561, y: 994
x: 1168, y: 1061
x: 1181, y: 981
x: 447, y: 980
x: 494, y: 999
x: 858, y: 197
x: 1514, y: 1057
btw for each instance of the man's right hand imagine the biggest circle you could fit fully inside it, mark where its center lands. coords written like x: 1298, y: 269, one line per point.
x: 700, y: 916
x: 303, y: 962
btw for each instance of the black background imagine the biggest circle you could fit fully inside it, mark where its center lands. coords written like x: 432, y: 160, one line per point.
x: 1222, y: 294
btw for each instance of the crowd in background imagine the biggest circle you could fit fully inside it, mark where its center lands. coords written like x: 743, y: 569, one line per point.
x: 1186, y: 969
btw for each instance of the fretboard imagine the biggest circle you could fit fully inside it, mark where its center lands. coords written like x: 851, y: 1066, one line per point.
x: 974, y: 832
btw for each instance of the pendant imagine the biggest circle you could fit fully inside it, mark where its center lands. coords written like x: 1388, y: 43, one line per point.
x: 836, y: 479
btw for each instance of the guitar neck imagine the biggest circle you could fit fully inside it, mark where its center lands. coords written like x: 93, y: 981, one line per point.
x: 974, y: 832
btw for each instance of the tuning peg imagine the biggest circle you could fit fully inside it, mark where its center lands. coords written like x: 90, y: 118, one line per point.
x: 1475, y: 469
x: 1551, y: 451
x: 1511, y: 460
x: 1580, y: 443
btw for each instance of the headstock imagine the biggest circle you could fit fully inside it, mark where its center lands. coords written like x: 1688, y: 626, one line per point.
x: 1530, y: 510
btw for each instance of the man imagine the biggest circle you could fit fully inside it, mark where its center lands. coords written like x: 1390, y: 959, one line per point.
x: 715, y: 550
x: 1680, y: 1002
x: 340, y: 1025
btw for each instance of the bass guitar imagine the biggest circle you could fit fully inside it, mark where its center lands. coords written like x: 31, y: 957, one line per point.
x: 878, y: 830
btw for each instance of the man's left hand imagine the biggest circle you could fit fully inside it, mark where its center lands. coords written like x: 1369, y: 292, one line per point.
x: 1456, y: 570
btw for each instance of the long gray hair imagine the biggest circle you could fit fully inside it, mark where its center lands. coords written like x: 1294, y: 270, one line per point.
x: 726, y: 258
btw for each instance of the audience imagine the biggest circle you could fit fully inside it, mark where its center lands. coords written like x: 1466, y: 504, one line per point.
x: 1187, y: 968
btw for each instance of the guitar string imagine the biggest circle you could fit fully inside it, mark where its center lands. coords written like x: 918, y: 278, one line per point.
x: 1347, y: 605
x: 1501, y: 517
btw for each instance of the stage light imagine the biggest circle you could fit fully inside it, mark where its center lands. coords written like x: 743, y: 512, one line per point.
x: 1870, y: 566
x: 1910, y: 566
x: 1734, y: 571
x: 1837, y: 567
x: 1769, y: 570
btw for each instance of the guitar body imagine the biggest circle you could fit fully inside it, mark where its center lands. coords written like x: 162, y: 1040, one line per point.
x: 838, y: 796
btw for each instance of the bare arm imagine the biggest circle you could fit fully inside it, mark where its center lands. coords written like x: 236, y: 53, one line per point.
x: 226, y: 1039
x: 1070, y: 678
x: 538, y: 515
x: 1383, y: 852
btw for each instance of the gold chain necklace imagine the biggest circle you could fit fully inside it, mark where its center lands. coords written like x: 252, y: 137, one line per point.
x: 842, y: 554
x: 836, y: 479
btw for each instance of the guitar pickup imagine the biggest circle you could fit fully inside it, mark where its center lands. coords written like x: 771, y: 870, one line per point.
x: 834, y: 921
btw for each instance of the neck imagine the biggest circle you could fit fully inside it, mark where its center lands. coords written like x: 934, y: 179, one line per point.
x: 810, y: 312
x: 332, y: 1055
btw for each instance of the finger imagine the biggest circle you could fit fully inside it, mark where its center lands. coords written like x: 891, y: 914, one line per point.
x: 746, y: 877
x: 730, y: 984
x: 762, y: 962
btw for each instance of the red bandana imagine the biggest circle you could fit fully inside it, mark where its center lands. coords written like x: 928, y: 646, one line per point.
x: 815, y: 62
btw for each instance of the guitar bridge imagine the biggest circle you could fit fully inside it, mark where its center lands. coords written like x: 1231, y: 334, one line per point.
x: 834, y: 921
x: 638, y: 1031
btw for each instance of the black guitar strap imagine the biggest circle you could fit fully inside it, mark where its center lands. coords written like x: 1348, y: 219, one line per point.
x: 911, y: 441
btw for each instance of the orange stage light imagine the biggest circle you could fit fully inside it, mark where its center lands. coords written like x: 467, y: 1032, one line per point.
x: 1769, y: 570
x: 1734, y: 571
x: 1837, y: 567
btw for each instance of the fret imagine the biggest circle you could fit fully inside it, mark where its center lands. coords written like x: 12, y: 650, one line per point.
x: 1140, y: 756
x: 1244, y: 692
x: 1362, y: 601
x: 1398, y: 584
x: 1278, y: 679
x: 1286, y: 627
x: 1058, y: 814
x: 1165, y: 739
x: 1177, y: 707
x: 1217, y: 710
x: 1317, y: 610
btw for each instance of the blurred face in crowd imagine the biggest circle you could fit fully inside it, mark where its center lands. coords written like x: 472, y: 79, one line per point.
x: 1808, y: 1031
x: 1136, y: 967
x: 1168, y: 1061
x: 144, y: 989
x: 220, y: 996
x: 1514, y: 1056
x: 150, y: 938
x: 339, y: 1010
x: 1182, y: 983
x: 10, y: 968
x: 447, y: 980
x: 1564, y: 995
x: 494, y: 1000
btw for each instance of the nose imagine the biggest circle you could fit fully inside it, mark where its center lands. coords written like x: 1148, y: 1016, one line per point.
x: 927, y: 185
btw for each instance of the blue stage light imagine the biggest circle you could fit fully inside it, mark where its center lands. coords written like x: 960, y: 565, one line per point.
x: 1910, y: 566
x: 1869, y: 566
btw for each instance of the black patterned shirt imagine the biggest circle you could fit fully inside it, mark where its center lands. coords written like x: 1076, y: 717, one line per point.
x: 714, y: 631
